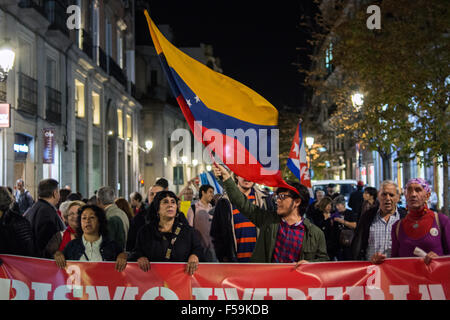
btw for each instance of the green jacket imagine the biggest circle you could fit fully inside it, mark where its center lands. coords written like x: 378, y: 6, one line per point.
x: 314, y: 247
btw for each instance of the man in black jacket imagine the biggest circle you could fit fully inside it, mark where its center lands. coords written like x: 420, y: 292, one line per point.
x: 373, y: 232
x: 356, y: 199
x: 15, y: 231
x: 43, y: 217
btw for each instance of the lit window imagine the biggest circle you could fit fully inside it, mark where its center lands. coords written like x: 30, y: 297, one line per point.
x: 79, y: 99
x: 329, y: 58
x: 120, y: 123
x: 95, y: 109
x: 129, y: 127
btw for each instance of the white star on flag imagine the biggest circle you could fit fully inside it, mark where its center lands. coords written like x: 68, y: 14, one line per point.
x: 188, y: 102
x: 197, y: 99
x: 296, y: 149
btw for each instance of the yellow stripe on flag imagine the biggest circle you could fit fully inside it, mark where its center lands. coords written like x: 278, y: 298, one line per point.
x: 217, y: 91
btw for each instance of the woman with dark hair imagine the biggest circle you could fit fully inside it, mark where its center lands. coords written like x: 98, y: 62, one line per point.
x: 123, y: 205
x: 168, y: 237
x: 92, y: 243
x: 322, y: 211
x: 370, y: 199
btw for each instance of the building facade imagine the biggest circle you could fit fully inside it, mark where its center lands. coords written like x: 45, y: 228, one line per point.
x: 348, y: 158
x: 162, y: 117
x: 74, y: 117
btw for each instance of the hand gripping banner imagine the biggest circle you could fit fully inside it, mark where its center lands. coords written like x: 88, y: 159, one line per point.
x: 23, y: 278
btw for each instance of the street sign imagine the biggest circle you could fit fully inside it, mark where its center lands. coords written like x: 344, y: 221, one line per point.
x: 49, y: 146
x: 5, y: 115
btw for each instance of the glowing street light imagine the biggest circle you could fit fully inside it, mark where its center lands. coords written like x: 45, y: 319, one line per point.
x: 148, y: 145
x: 357, y: 100
x: 7, y: 57
x: 309, y: 141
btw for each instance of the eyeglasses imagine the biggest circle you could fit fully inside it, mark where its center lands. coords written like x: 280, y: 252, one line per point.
x: 282, y: 196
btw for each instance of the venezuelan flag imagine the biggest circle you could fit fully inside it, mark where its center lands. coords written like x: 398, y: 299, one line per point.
x: 213, y: 102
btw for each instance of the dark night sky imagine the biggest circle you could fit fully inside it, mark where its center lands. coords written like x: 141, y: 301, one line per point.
x: 256, y: 41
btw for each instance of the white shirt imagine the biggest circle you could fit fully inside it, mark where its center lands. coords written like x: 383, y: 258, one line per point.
x: 380, y: 235
x: 92, y: 250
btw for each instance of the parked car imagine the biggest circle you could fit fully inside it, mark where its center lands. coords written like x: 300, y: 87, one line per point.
x: 344, y: 187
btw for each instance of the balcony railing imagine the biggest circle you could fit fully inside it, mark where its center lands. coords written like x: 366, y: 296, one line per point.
x: 55, y: 11
x: 102, y: 59
x: 27, y: 94
x: 132, y: 89
x: 87, y: 43
x: 53, y: 112
x: 116, y: 71
x: 3, y: 91
x: 38, y: 5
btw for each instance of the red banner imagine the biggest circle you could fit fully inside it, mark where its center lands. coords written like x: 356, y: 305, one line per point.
x: 23, y: 278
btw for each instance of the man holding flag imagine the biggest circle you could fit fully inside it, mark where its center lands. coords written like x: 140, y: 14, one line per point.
x: 285, y: 236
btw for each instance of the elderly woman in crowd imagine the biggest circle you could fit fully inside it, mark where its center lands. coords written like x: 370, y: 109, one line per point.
x: 69, y: 211
x: 422, y: 229
x: 422, y: 232
x: 168, y: 237
x: 92, y: 243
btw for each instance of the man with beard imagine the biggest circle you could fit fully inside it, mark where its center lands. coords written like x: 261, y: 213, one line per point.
x: 285, y: 236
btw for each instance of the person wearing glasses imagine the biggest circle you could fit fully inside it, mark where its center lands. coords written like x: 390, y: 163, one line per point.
x: 285, y: 235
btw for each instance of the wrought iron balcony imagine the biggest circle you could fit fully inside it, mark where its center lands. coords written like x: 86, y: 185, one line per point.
x: 132, y: 90
x: 55, y: 11
x: 27, y: 94
x: 3, y: 91
x: 53, y: 112
x: 38, y: 5
x: 102, y: 59
x: 87, y: 43
x: 116, y: 71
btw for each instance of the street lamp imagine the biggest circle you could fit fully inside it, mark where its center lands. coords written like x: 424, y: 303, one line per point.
x: 357, y: 100
x: 7, y: 56
x: 148, y: 145
x: 309, y: 141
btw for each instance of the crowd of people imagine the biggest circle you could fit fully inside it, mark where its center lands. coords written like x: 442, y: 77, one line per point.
x: 244, y: 224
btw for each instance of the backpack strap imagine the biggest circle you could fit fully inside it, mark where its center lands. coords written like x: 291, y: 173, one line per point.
x: 436, y: 217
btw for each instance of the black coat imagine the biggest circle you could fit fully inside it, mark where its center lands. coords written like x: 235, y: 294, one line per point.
x: 143, y: 217
x: 136, y: 224
x: 355, y: 201
x: 332, y: 231
x: 45, y: 222
x: 109, y: 249
x: 222, y: 233
x: 16, y: 236
x: 153, y: 244
x: 314, y: 214
x: 361, y: 238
